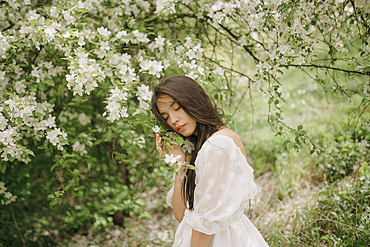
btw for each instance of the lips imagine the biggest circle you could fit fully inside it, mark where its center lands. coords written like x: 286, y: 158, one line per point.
x: 180, y: 127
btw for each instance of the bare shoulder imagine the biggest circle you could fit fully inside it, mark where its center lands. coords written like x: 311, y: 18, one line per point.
x: 229, y: 133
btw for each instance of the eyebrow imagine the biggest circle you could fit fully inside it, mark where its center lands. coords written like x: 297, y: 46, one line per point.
x: 169, y: 107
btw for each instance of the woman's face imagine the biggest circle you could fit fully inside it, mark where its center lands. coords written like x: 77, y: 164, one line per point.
x: 175, y: 116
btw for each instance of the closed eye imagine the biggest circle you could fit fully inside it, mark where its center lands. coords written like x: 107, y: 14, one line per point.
x: 178, y: 108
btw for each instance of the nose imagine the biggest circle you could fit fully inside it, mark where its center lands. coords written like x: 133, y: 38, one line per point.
x: 174, y: 118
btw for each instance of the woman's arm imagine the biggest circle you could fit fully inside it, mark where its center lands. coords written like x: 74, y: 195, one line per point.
x: 178, y: 204
x: 199, y: 239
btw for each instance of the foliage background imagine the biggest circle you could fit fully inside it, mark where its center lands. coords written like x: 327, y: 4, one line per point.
x: 76, y: 138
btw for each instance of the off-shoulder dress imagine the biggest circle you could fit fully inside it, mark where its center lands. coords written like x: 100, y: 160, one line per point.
x: 224, y: 182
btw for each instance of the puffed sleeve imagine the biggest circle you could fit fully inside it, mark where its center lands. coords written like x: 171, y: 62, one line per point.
x: 224, y: 182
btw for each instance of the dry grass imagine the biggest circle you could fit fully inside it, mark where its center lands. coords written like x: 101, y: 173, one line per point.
x: 279, y: 218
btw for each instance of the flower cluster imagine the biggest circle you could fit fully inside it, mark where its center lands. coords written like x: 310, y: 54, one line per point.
x: 8, y: 196
x: 45, y: 70
x: 221, y: 10
x: 165, y: 6
x: 144, y: 96
x: 120, y: 66
x: 4, y: 46
x: 79, y: 148
x: 57, y: 138
x: 85, y: 73
x: 152, y: 66
x: 188, y: 56
x: 114, y: 107
x: 172, y: 160
x: 135, y: 37
x: 23, y: 112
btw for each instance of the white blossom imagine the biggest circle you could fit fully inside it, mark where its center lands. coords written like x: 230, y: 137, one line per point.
x: 81, y: 41
x: 84, y: 119
x: 4, y: 46
x: 300, y: 60
x: 156, y: 129
x: 104, y: 31
x: 79, y: 148
x: 9, y: 196
x: 49, y: 33
x: 54, y: 136
x: 140, y: 37
x: 219, y: 71
x: 20, y: 87
x: 172, y: 159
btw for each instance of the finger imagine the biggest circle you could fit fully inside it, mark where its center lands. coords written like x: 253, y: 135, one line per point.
x: 158, y: 143
x: 158, y: 140
x: 159, y: 149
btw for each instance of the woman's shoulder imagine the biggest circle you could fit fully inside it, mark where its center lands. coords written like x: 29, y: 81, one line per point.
x: 228, y: 133
x: 225, y: 131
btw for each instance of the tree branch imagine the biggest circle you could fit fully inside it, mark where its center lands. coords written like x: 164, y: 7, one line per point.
x: 328, y: 67
x: 16, y: 226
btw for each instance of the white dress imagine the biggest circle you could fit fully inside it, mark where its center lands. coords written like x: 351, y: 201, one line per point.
x: 224, y: 182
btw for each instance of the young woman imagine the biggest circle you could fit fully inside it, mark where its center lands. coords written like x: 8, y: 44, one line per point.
x: 209, y: 201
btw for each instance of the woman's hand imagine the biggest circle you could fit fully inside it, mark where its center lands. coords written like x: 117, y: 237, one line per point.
x: 175, y: 150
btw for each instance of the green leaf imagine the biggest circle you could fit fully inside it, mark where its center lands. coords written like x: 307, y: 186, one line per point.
x: 140, y: 128
x: 297, y: 140
x: 134, y: 149
x: 190, y: 167
x: 145, y: 215
x: 300, y: 127
x: 49, y: 82
x: 70, y: 59
x: 19, y: 121
x: 286, y: 143
x: 29, y: 152
x: 52, y: 168
x: 10, y: 158
x: 366, y: 69
x: 11, y: 94
x: 2, y: 167
x: 82, y: 11
x: 179, y: 141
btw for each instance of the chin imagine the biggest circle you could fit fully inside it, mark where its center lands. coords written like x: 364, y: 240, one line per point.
x: 187, y: 134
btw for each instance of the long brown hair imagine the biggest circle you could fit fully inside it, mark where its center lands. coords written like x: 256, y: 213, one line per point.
x: 198, y: 105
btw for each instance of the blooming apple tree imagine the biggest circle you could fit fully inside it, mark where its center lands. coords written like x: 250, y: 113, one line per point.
x: 257, y: 41
x: 75, y: 79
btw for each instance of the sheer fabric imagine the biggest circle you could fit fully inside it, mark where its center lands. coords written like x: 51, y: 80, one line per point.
x: 224, y: 182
